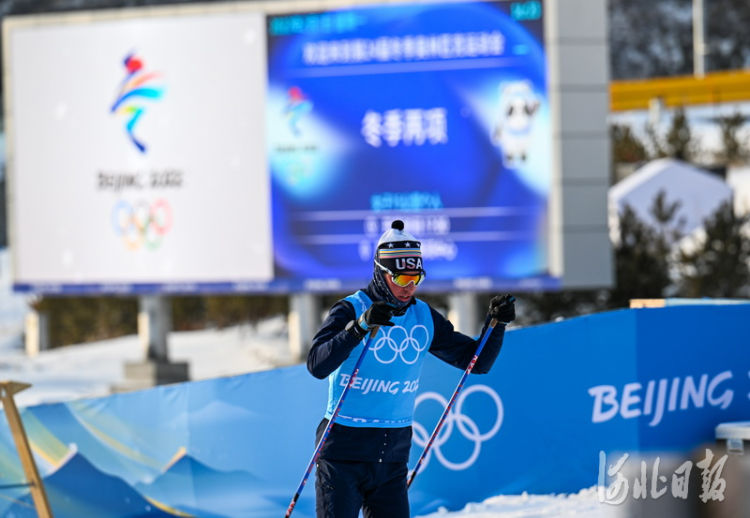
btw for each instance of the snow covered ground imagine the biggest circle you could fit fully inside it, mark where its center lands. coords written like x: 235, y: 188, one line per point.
x: 90, y: 370
x: 584, y: 504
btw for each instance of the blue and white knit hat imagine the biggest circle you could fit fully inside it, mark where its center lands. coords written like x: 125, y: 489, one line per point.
x: 398, y: 250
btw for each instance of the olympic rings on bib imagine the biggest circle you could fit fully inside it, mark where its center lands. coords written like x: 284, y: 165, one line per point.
x: 396, y: 342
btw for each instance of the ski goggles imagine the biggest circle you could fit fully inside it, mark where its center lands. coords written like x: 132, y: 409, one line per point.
x: 404, y: 279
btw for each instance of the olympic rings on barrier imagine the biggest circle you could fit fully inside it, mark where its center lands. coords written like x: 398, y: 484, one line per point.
x: 142, y: 224
x: 399, y: 340
x: 458, y: 420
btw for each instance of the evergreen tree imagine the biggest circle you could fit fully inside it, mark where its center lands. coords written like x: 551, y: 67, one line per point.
x: 548, y: 306
x: 626, y: 147
x: 654, y: 141
x: 717, y: 265
x: 679, y: 138
x: 84, y: 319
x: 727, y: 36
x: 640, y: 271
x: 734, y: 150
x: 653, y: 39
x: 669, y: 230
x: 677, y: 142
x: 642, y: 254
x: 650, y: 39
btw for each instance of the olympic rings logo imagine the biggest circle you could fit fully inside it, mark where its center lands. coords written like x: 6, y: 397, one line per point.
x: 400, y: 341
x: 141, y: 224
x: 457, y: 420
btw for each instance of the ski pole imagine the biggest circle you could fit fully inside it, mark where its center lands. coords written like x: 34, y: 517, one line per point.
x: 336, y: 410
x: 449, y: 406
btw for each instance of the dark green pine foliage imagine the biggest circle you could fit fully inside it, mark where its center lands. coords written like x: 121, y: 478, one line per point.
x: 717, y: 266
x: 641, y: 264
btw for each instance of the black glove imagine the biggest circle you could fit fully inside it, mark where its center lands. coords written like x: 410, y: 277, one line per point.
x: 503, y: 308
x: 379, y: 314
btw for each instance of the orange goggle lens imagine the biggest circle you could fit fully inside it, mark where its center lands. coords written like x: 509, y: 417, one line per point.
x: 404, y: 279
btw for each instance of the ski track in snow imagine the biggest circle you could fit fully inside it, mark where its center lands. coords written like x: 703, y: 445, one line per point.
x: 584, y: 504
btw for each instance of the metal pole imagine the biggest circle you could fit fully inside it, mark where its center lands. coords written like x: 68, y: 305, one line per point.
x: 324, y: 436
x: 699, y: 44
x: 154, y: 323
x: 463, y: 312
x: 452, y: 400
x: 38, y: 495
x: 304, y: 320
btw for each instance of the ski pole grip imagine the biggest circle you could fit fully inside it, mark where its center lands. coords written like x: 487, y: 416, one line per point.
x: 374, y: 331
x: 493, y: 322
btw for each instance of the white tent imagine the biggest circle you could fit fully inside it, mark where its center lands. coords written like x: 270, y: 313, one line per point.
x: 699, y: 193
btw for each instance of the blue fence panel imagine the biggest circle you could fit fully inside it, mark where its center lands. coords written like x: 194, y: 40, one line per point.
x: 630, y: 380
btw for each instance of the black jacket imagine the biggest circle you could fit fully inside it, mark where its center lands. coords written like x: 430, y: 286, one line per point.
x: 331, y: 347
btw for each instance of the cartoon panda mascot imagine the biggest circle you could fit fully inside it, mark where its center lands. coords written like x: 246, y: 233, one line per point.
x: 518, y: 105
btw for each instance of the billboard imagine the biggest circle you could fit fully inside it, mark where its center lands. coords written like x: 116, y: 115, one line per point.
x: 137, y: 158
x: 224, y: 149
x: 437, y: 114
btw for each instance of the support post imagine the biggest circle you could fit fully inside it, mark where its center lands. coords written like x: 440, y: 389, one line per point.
x: 39, y: 496
x: 304, y: 319
x: 699, y: 40
x: 463, y: 312
x: 154, y: 325
x: 37, y: 333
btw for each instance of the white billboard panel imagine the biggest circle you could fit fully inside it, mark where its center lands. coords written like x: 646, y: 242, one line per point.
x: 136, y: 151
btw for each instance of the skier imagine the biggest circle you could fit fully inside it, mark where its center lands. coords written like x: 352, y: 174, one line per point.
x: 363, y: 463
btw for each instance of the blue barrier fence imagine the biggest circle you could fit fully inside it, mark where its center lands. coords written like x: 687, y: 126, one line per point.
x: 637, y: 380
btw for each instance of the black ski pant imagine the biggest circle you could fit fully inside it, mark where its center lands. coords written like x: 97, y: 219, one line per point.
x: 342, y: 488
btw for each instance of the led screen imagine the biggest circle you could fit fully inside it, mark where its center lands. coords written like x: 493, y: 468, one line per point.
x: 437, y: 114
